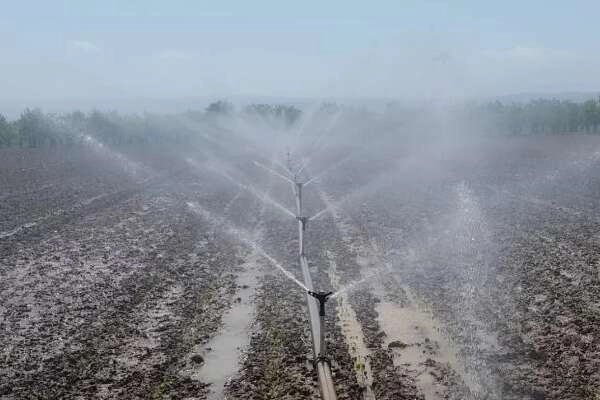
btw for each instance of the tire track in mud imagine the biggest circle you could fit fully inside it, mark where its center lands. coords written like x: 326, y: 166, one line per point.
x: 258, y: 375
x: 223, y: 351
x: 348, y: 370
x: 388, y: 382
x: 423, y: 355
x: 353, y: 334
x: 275, y: 361
x: 445, y: 267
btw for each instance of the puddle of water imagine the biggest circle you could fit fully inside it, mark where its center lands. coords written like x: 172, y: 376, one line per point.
x: 409, y: 325
x: 352, y: 331
x: 417, y: 340
x: 223, y: 352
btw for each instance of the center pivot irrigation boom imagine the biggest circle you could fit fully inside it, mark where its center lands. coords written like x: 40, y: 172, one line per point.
x: 316, y: 315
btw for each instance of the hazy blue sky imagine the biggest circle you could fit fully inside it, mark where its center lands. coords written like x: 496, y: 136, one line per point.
x: 405, y: 49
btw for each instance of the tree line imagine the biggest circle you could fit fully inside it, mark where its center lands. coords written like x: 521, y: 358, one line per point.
x: 34, y: 129
x: 541, y: 116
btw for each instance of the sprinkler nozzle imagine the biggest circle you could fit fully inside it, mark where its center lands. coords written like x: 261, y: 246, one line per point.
x: 322, y: 298
x: 304, y: 221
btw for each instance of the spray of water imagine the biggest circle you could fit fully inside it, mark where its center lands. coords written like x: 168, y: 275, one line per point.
x: 243, y: 237
x: 304, y: 164
x: 468, y: 238
x: 381, y: 271
x: 581, y: 163
x: 380, y: 181
x: 326, y: 170
x: 131, y: 167
x: 280, y: 165
x: 272, y: 171
x: 200, y: 130
x: 249, y: 188
x: 320, y: 214
x: 317, y: 144
x: 464, y: 242
x: 308, y: 115
x: 262, y: 196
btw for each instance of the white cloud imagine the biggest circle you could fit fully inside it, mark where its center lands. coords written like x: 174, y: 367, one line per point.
x: 526, y: 54
x: 84, y: 46
x: 173, y: 56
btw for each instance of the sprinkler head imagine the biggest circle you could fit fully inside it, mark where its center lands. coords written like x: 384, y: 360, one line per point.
x: 304, y: 221
x: 322, y: 298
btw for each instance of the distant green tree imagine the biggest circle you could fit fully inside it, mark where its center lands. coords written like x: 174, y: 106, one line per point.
x: 105, y: 128
x: 573, y: 117
x: 261, y: 110
x: 539, y: 116
x: 220, y: 107
x: 286, y: 114
x: 330, y: 108
x: 7, y: 135
x: 591, y: 115
x: 289, y: 114
x: 35, y: 129
x: 73, y: 125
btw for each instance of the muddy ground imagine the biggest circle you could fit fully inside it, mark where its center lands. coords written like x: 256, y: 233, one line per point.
x: 477, y: 268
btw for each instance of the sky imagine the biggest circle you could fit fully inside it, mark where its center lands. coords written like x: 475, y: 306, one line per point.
x: 306, y: 49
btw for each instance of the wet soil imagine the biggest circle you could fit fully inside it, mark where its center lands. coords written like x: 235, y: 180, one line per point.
x: 480, y: 276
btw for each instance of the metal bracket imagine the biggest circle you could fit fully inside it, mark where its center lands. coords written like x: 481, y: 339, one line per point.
x: 321, y: 359
x: 322, y: 298
x: 304, y: 221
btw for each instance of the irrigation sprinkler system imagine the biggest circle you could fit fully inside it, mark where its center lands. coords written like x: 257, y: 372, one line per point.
x: 322, y: 298
x: 313, y: 298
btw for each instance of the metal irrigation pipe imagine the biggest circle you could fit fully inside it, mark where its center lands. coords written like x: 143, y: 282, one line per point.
x: 316, y: 315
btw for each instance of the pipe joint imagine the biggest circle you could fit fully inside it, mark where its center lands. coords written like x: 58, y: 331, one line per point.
x: 322, y: 298
x: 304, y: 221
x: 321, y: 359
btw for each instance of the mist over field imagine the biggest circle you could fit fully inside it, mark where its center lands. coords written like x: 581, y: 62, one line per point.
x: 297, y: 201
